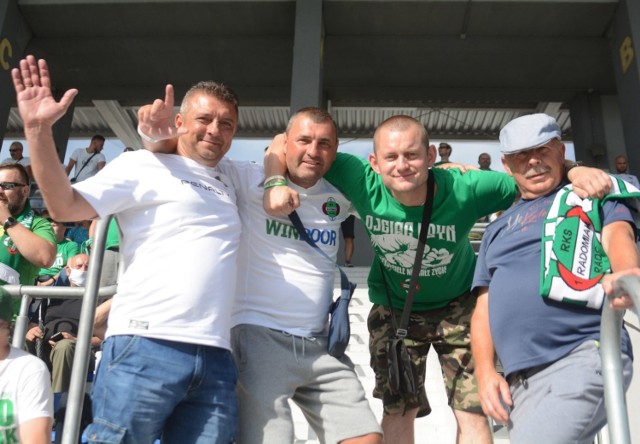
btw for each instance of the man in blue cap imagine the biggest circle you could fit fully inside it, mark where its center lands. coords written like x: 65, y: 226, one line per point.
x: 543, y: 321
x: 25, y: 389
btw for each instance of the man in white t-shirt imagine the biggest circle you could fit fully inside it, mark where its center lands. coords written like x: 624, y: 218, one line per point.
x: 166, y: 365
x: 16, y: 156
x: 283, y: 295
x: 26, y: 401
x: 88, y: 161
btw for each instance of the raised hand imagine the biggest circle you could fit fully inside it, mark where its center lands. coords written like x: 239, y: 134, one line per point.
x: 156, y: 120
x: 36, y: 104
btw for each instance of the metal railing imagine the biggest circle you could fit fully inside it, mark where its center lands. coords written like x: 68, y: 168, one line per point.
x: 610, y: 350
x: 89, y: 294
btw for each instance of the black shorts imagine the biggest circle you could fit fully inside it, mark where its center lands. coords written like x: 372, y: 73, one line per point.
x: 347, y: 227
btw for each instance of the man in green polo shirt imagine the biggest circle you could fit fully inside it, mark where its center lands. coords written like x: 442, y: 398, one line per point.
x: 27, y: 242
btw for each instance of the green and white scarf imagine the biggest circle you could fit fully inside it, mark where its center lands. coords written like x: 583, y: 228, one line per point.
x: 9, y: 255
x: 573, y: 259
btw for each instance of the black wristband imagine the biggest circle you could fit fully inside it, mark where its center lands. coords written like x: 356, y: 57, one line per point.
x: 10, y: 222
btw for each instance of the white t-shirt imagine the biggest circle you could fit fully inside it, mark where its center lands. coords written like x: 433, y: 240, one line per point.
x: 282, y: 282
x: 25, y: 161
x: 81, y: 156
x: 25, y: 392
x: 181, y: 232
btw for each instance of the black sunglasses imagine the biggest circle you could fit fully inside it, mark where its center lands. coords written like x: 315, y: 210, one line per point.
x: 11, y: 185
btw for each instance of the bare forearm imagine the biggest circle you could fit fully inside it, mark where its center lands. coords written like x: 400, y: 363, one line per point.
x: 274, y: 160
x: 481, y: 340
x: 63, y: 203
x: 32, y: 247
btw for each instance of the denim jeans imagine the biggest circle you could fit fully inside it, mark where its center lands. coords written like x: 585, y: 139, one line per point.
x: 149, y: 388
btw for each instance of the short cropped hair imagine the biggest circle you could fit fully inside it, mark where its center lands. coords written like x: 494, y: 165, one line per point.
x: 19, y: 168
x: 401, y: 123
x: 317, y: 115
x: 209, y: 87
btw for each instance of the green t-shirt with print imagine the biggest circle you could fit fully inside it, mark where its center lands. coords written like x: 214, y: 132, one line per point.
x: 449, y: 259
x: 65, y: 250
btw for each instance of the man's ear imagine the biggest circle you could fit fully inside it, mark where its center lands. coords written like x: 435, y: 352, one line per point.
x: 505, y: 164
x: 431, y: 155
x: 179, y: 121
x: 374, y: 163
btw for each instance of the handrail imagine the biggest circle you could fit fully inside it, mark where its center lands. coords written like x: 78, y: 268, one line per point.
x: 25, y: 292
x: 89, y: 294
x: 610, y: 351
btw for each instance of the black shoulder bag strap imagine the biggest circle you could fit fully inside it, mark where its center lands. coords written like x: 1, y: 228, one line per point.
x: 346, y: 286
x: 84, y: 165
x: 401, y: 330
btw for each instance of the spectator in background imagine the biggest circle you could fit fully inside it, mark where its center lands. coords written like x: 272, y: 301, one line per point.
x: 348, y: 235
x: 62, y: 316
x: 27, y: 242
x: 66, y: 249
x: 110, y: 262
x: 622, y: 171
x: 87, y: 161
x: 79, y: 232
x: 25, y: 390
x: 15, y: 151
x: 444, y: 150
x: 484, y: 162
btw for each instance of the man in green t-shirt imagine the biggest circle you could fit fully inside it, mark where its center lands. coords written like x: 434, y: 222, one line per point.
x: 27, y: 242
x: 389, y: 192
x: 65, y: 250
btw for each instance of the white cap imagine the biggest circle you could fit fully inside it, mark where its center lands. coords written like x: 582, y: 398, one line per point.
x: 528, y: 132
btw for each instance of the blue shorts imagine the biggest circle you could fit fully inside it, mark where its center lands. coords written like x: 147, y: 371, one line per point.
x: 145, y: 388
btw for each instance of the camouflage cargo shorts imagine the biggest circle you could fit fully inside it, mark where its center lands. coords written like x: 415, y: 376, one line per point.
x: 448, y: 330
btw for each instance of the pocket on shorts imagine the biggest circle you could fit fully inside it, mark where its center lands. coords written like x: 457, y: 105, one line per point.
x: 121, y: 347
x: 103, y: 432
x: 238, y: 336
x: 581, y: 372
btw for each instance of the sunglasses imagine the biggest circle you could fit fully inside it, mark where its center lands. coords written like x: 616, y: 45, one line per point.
x: 11, y: 185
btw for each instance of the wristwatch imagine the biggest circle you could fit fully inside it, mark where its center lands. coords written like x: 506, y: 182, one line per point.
x: 10, y: 222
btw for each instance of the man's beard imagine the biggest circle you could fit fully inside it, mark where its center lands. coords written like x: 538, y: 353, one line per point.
x: 16, y: 208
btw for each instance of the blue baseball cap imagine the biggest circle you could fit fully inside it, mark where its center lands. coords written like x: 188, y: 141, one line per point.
x: 528, y: 132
